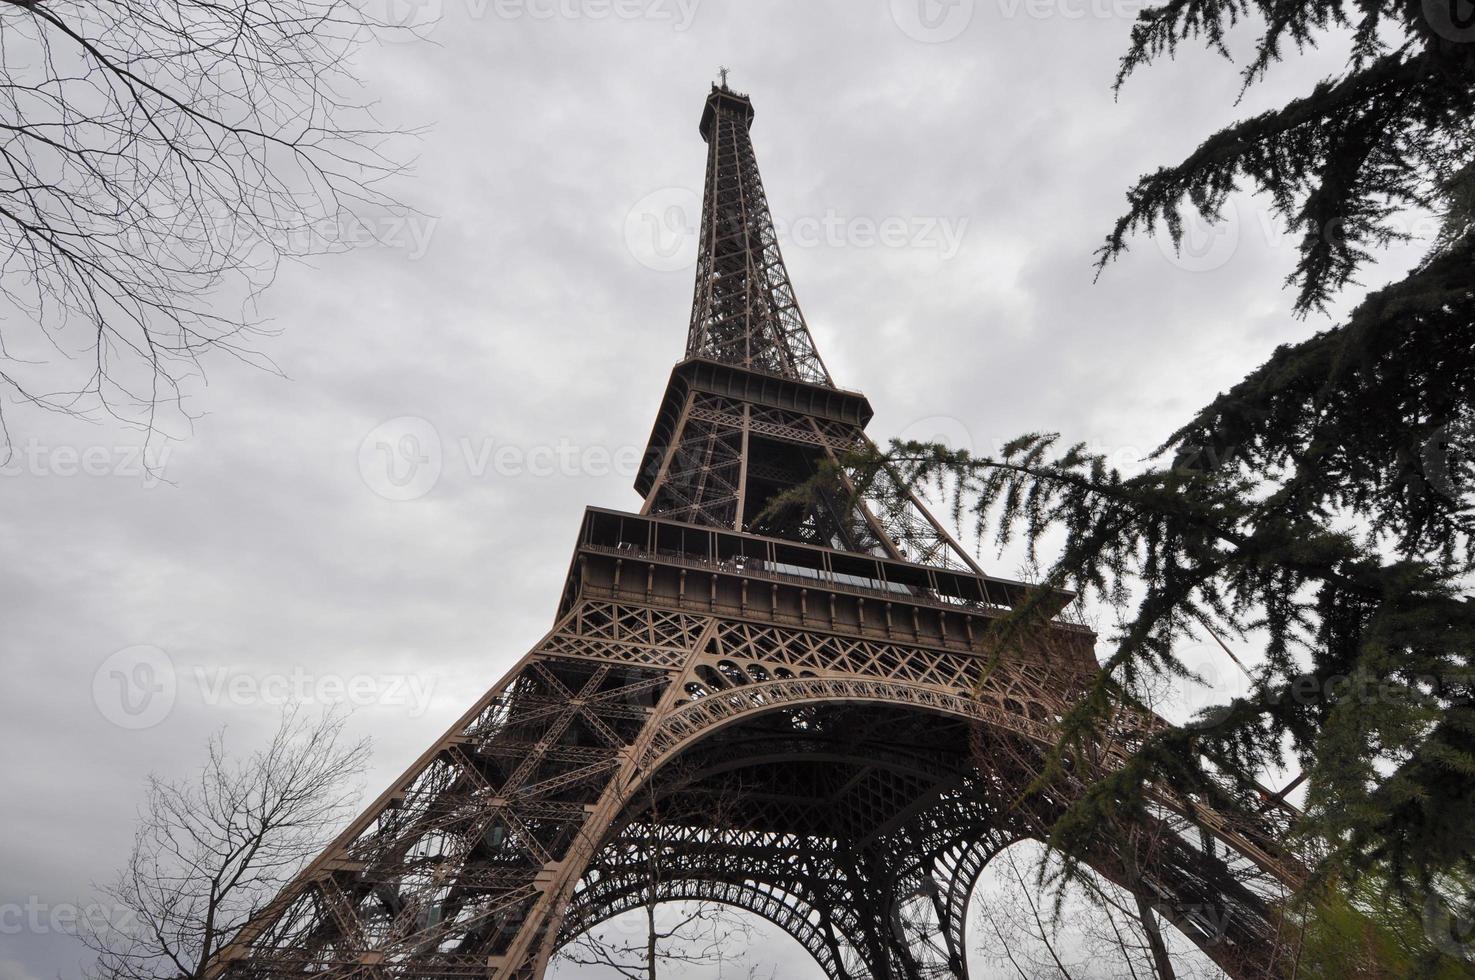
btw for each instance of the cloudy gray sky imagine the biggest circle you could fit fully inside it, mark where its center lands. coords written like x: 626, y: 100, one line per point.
x: 942, y: 174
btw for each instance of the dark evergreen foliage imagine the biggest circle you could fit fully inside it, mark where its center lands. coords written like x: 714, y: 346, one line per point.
x: 1322, y: 507
x: 1340, y: 164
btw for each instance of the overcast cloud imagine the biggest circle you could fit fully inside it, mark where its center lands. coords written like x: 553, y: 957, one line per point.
x: 942, y: 175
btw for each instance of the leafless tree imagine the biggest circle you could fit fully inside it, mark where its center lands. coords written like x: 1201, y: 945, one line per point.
x: 1019, y: 934
x: 157, y: 161
x: 678, y: 934
x: 1098, y: 935
x: 681, y: 934
x: 210, y: 850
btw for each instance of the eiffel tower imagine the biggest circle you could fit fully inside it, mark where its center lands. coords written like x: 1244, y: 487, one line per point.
x: 812, y: 668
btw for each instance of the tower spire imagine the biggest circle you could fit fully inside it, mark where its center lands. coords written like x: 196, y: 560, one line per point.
x: 744, y: 311
x: 734, y: 437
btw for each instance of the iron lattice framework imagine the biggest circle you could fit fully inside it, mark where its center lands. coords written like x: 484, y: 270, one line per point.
x: 744, y: 311
x: 792, y: 710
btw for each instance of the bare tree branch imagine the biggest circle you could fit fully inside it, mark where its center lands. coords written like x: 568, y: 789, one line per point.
x: 157, y: 162
x: 210, y: 850
x: 683, y: 934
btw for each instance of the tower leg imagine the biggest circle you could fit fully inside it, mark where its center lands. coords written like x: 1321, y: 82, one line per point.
x: 463, y: 866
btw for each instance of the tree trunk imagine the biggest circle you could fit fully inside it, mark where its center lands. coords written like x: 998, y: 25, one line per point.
x: 1160, y: 961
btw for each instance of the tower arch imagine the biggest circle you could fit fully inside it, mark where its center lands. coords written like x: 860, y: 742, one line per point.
x: 957, y: 815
